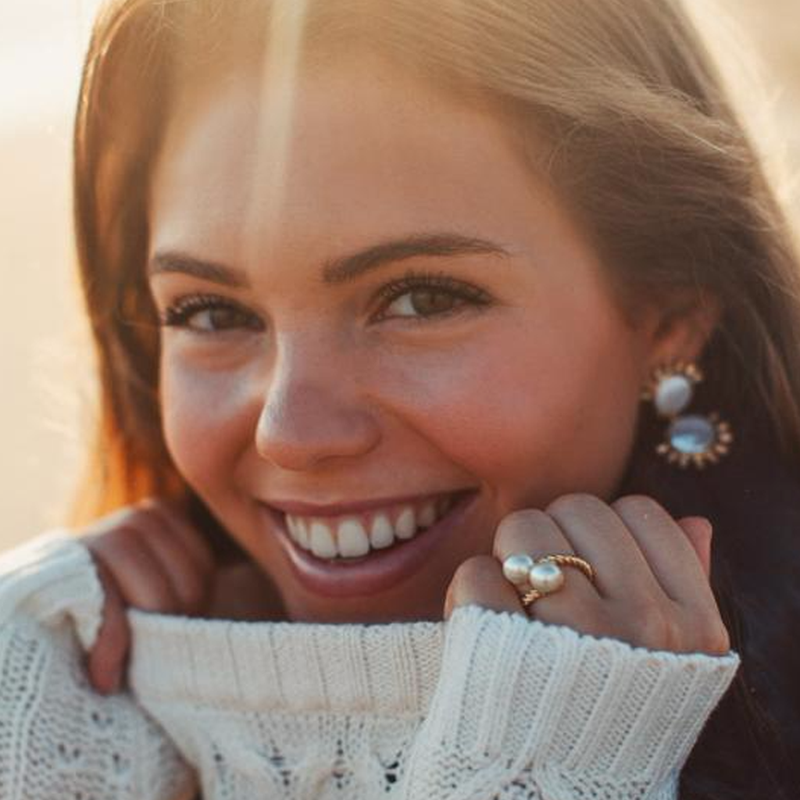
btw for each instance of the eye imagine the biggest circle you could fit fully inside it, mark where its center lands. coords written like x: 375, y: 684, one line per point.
x: 424, y: 296
x: 209, y: 314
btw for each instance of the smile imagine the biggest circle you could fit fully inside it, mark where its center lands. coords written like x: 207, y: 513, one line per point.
x: 354, y: 535
x: 369, y: 550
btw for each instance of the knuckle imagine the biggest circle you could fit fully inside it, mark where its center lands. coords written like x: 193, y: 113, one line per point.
x: 475, y: 571
x: 713, y: 636
x: 187, y: 574
x: 635, y: 504
x: 195, y: 591
x: 656, y: 630
x: 576, y: 502
x: 139, y: 583
x: 125, y: 537
x: 127, y: 521
x: 596, y: 623
x: 127, y: 565
x: 523, y: 519
x: 120, y: 529
x: 157, y: 596
x: 121, y: 517
x: 114, y: 546
x: 718, y: 641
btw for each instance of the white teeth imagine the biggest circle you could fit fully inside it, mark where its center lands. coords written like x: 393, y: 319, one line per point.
x: 321, y: 540
x: 298, y: 531
x: 352, y: 539
x: 382, y: 534
x: 427, y: 515
x: 302, y: 534
x: 406, y: 525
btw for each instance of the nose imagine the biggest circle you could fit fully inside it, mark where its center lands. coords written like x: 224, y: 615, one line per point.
x: 311, y: 416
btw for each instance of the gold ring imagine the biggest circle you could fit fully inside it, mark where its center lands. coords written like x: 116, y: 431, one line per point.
x: 552, y: 579
x: 571, y: 561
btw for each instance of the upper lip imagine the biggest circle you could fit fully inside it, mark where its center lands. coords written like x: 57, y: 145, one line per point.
x: 303, y: 509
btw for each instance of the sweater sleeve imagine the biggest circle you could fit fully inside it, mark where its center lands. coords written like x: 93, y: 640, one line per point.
x: 540, y: 712
x: 58, y: 738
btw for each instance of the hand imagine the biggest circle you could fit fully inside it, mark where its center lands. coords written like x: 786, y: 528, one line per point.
x: 652, y: 587
x: 149, y: 556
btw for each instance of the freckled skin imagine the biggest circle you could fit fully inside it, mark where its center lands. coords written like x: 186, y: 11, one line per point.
x: 527, y: 399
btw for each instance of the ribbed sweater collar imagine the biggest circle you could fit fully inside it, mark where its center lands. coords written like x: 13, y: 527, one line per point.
x: 294, y: 667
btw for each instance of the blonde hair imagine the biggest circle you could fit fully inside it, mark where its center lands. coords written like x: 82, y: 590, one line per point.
x: 642, y: 144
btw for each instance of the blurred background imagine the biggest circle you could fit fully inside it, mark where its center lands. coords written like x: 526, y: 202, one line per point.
x: 46, y: 394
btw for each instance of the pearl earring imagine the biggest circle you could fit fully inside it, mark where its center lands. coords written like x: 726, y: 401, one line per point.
x: 691, y: 439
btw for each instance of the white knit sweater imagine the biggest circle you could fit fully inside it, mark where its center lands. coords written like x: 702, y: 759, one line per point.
x: 485, y: 705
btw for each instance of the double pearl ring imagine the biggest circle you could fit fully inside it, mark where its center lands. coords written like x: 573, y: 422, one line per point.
x: 543, y: 575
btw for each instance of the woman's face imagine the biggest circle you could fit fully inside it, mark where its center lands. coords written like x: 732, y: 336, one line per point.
x: 369, y: 312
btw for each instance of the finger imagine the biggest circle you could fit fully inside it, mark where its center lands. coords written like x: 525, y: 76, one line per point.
x: 242, y: 591
x: 676, y: 566
x: 672, y: 559
x: 536, y: 534
x: 191, y: 580
x: 480, y: 581
x: 137, y: 572
x: 699, y: 531
x: 107, y: 658
x: 193, y: 539
x: 598, y: 534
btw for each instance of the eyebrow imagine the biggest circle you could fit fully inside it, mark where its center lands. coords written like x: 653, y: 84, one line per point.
x: 342, y: 269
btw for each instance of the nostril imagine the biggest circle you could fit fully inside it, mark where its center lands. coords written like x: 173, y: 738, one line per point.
x: 302, y: 424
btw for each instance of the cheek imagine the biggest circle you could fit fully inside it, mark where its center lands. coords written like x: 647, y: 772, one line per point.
x: 206, y: 422
x: 531, y: 412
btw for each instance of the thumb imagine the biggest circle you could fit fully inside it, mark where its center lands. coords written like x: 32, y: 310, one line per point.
x: 107, y: 658
x: 699, y: 531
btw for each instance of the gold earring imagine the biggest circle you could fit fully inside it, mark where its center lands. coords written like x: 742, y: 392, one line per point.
x: 691, y: 439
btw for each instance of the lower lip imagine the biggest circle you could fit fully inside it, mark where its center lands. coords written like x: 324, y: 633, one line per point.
x: 375, y: 572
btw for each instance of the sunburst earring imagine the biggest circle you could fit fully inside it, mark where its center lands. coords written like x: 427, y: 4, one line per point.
x: 692, y: 439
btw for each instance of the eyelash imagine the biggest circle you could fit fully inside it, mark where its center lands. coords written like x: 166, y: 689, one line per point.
x: 436, y: 282
x: 180, y: 312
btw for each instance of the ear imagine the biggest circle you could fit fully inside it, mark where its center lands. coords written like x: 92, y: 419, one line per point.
x: 681, y: 330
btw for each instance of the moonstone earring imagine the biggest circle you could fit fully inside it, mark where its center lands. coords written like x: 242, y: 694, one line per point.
x: 691, y: 439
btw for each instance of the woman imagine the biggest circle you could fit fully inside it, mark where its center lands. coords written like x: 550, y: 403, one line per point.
x: 401, y: 271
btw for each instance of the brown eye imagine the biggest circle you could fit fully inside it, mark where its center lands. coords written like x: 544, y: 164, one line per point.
x: 208, y: 314
x: 423, y: 303
x: 216, y: 319
x: 423, y: 296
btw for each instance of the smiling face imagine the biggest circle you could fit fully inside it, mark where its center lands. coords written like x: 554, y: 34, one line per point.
x: 413, y: 315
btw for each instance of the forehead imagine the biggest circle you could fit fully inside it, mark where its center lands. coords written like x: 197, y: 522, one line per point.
x: 357, y: 148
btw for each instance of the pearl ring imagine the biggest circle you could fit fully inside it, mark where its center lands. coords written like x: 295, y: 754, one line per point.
x: 543, y: 575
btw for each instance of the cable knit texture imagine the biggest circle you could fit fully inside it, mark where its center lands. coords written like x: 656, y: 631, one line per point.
x: 485, y: 705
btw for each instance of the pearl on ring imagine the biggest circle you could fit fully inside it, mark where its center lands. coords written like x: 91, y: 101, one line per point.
x: 517, y: 567
x: 546, y: 577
